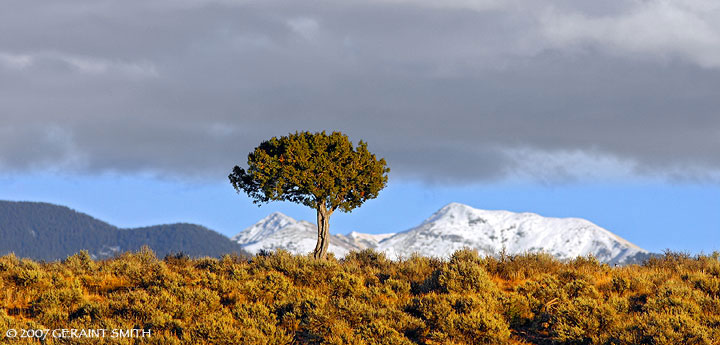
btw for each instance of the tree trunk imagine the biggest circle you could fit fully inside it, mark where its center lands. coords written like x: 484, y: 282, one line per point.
x: 323, y: 217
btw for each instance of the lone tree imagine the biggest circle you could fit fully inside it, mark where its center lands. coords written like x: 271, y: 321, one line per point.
x: 325, y: 172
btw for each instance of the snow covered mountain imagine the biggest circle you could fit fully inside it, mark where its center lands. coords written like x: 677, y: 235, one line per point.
x: 278, y: 231
x: 454, y: 227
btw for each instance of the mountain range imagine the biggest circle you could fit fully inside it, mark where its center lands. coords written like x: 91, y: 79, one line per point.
x: 43, y: 231
x: 50, y: 232
x: 453, y: 227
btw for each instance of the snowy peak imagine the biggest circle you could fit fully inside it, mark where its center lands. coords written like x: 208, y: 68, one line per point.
x: 264, y: 228
x: 460, y: 214
x: 454, y: 208
x: 455, y: 226
x: 278, y: 231
x: 276, y: 220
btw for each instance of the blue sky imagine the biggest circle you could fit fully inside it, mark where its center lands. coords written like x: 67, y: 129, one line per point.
x: 135, y: 111
x: 653, y: 215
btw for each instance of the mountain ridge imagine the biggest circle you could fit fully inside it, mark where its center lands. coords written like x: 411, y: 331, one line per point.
x: 45, y: 231
x: 456, y: 226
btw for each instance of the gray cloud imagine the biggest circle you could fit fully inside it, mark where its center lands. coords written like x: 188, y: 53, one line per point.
x: 448, y: 91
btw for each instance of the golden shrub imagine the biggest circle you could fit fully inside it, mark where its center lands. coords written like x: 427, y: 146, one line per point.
x: 365, y: 298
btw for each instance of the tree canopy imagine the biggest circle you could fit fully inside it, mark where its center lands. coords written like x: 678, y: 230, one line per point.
x: 325, y: 172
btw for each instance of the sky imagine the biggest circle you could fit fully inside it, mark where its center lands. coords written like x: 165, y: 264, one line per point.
x: 136, y: 111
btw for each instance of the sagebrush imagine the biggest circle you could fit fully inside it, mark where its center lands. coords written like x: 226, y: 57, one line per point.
x: 279, y: 298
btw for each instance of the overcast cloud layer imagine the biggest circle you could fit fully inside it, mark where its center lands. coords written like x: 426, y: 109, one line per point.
x: 447, y: 90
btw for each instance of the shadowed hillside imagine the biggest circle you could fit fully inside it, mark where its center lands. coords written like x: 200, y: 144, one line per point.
x: 50, y: 232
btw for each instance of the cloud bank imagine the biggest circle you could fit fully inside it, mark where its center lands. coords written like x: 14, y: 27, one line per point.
x: 452, y: 91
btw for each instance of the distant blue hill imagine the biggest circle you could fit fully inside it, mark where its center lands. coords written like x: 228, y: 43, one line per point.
x: 43, y: 231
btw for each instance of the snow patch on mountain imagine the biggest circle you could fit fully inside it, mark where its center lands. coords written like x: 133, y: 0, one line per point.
x: 362, y: 240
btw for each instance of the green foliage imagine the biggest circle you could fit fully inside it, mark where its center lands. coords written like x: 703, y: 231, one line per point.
x: 312, y: 169
x: 365, y: 298
x: 325, y: 172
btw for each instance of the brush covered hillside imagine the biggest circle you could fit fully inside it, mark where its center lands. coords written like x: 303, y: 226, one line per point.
x: 50, y: 232
x: 364, y: 298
